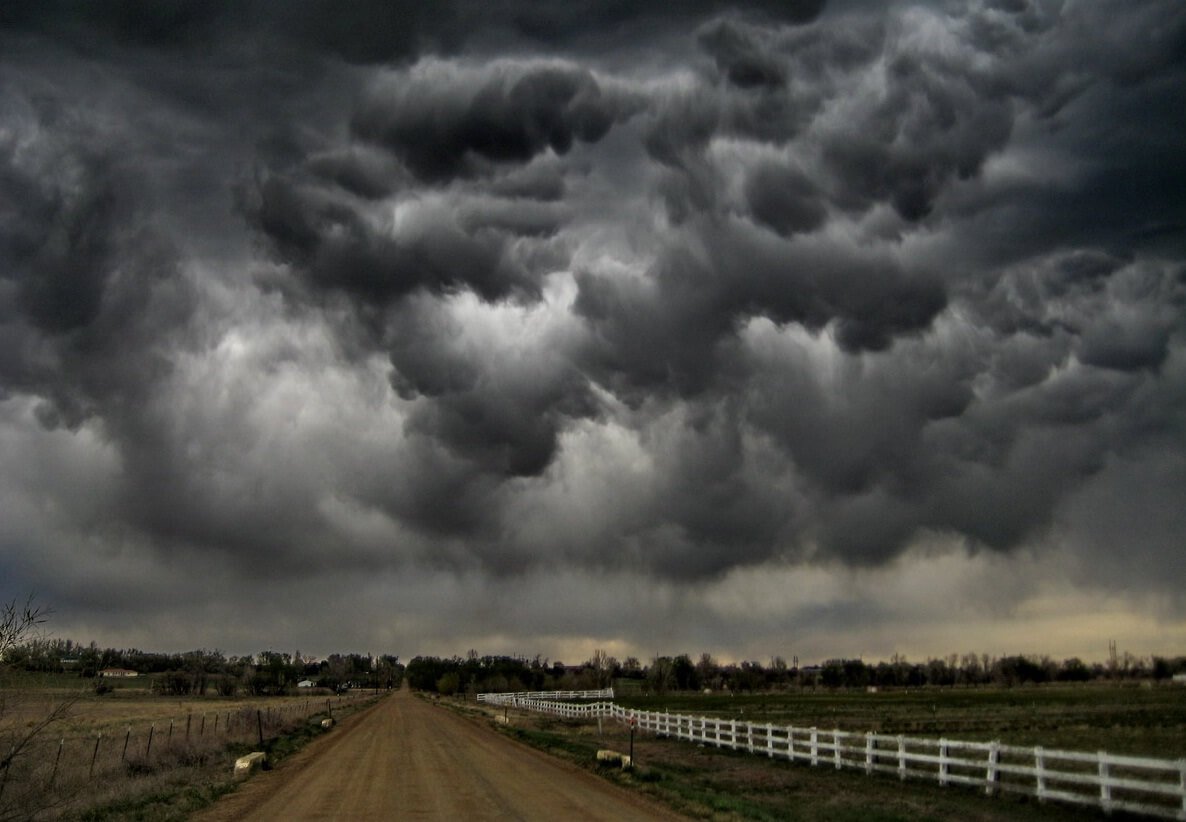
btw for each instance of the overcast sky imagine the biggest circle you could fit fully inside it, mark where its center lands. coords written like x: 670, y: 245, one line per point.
x: 782, y: 328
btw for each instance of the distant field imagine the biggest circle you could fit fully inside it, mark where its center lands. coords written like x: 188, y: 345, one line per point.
x: 1126, y: 719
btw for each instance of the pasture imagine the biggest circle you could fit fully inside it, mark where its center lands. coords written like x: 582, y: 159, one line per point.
x: 132, y: 754
x: 1122, y: 719
x: 714, y: 784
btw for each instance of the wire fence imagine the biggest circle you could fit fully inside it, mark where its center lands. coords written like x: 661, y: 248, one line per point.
x: 41, y: 771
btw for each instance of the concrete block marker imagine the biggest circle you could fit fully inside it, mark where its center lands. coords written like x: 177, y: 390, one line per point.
x: 327, y: 723
x: 614, y: 758
x: 246, y: 765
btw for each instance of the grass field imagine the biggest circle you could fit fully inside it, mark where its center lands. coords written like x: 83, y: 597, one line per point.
x: 1127, y: 719
x: 712, y: 784
x: 130, y: 754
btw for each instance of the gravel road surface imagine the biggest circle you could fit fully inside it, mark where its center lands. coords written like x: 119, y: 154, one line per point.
x: 407, y: 759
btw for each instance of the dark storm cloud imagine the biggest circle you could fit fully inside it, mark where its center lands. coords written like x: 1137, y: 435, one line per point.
x: 532, y: 285
x: 443, y: 123
x: 339, y: 246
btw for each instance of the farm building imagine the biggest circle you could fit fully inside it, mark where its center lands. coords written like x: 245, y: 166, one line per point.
x: 118, y: 673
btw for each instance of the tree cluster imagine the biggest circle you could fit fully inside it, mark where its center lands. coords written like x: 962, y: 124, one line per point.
x: 477, y: 674
x: 196, y: 673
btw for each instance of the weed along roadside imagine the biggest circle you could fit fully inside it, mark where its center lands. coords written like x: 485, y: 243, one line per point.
x: 705, y: 767
x: 109, y: 762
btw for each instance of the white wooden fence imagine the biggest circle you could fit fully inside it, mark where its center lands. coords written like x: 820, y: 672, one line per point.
x: 506, y: 699
x: 1156, y: 787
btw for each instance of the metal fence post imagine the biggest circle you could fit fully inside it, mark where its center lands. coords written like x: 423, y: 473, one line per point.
x: 94, y: 755
x: 57, y: 759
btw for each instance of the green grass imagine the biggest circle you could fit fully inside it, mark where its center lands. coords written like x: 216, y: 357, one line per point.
x: 1119, y: 719
x: 708, y: 783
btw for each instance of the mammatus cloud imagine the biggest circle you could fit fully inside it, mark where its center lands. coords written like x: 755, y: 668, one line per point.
x: 489, y: 297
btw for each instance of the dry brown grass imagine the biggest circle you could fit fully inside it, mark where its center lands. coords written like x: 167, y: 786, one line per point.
x: 132, y: 748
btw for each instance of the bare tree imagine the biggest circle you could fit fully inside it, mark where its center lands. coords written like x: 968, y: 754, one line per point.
x: 17, y: 623
x: 602, y: 665
x: 21, y: 797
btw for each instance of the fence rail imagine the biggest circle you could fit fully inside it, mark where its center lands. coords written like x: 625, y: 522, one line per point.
x: 1156, y: 787
x: 505, y: 699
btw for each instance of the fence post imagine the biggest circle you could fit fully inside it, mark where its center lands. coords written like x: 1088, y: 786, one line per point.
x: 57, y: 759
x: 901, y: 757
x: 259, y: 723
x: 749, y: 737
x: 1105, y: 783
x: 942, y: 761
x: 836, y: 747
x: 770, y: 740
x: 992, y: 775
x: 127, y: 736
x: 148, y: 747
x: 870, y: 744
x: 814, y: 746
x: 790, y: 743
x: 202, y: 727
x: 1040, y: 772
x: 1182, y: 786
x: 6, y: 766
x: 189, y: 718
x: 94, y: 754
x: 169, y: 738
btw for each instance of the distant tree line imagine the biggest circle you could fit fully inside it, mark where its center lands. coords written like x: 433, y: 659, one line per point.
x: 477, y: 674
x: 196, y: 673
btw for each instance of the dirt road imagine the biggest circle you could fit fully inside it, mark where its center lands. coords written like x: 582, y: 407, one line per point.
x: 407, y: 759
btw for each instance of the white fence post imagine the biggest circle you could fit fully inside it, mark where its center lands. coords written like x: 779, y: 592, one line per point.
x: 942, y: 761
x: 991, y: 774
x: 1182, y: 786
x: 1167, y: 779
x: 1040, y: 772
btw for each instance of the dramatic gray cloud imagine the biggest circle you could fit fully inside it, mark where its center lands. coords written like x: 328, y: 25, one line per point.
x: 491, y: 316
